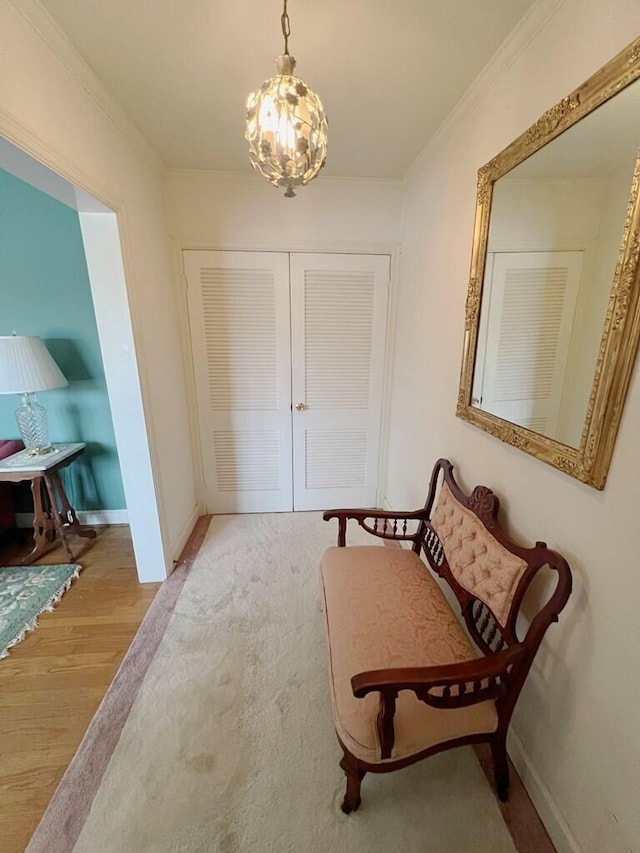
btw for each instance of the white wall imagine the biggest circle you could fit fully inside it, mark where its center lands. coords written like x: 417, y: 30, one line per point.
x: 52, y: 107
x: 577, y: 720
x: 218, y: 211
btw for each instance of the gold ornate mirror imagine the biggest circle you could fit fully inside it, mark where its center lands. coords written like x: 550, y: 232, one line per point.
x: 552, y: 315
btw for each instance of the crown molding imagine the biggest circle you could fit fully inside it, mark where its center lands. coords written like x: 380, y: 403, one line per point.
x: 21, y: 162
x: 535, y: 20
x: 249, y: 178
x: 18, y: 142
x: 57, y: 41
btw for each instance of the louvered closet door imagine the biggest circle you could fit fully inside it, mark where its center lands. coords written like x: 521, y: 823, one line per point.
x: 532, y: 305
x: 338, y: 329
x: 240, y: 330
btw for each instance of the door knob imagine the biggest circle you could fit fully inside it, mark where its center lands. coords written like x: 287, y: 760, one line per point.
x: 300, y: 407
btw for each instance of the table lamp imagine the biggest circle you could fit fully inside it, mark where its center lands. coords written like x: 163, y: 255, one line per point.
x: 26, y: 366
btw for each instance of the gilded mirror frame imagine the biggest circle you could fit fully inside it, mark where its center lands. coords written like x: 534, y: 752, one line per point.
x: 590, y: 461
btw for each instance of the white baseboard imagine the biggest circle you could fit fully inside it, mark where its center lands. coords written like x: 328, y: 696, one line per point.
x: 92, y: 518
x: 181, y: 541
x: 558, y: 829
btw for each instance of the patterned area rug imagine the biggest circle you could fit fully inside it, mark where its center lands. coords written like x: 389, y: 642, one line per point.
x: 227, y: 744
x: 25, y: 593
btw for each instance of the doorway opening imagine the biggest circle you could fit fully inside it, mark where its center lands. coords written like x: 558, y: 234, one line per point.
x: 101, y: 240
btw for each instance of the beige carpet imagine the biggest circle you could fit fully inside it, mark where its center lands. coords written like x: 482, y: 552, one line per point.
x: 229, y: 745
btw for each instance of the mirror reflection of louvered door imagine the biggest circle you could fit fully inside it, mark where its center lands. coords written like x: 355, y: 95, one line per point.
x: 532, y: 305
x: 338, y: 326
x: 253, y: 334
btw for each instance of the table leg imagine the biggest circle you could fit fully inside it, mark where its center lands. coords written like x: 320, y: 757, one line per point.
x: 41, y: 524
x: 65, y: 518
x: 55, y: 515
x: 67, y: 512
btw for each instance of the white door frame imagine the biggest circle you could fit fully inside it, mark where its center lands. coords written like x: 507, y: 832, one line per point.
x: 392, y: 250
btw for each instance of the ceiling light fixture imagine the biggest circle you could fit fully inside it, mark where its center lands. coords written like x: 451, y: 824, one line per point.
x: 286, y: 125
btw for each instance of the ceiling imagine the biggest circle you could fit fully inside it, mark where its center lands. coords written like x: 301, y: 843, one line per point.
x: 388, y: 73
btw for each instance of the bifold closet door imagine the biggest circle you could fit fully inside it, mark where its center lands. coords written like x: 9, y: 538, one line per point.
x: 240, y: 332
x: 338, y: 332
x: 263, y: 323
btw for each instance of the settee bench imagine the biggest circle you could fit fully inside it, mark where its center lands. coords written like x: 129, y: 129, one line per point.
x: 408, y: 677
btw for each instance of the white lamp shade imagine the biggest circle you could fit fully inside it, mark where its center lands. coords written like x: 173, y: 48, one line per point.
x: 26, y: 366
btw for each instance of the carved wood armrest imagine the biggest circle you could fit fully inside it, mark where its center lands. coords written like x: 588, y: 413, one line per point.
x: 378, y: 522
x: 455, y: 685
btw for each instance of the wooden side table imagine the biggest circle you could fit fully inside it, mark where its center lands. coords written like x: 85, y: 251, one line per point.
x: 52, y: 512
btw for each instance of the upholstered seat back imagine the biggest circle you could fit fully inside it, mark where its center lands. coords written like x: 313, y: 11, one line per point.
x: 478, y: 562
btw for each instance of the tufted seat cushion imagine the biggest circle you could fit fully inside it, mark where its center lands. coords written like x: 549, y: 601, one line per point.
x: 384, y: 609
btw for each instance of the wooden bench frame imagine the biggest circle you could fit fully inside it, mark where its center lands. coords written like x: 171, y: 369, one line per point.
x: 498, y: 674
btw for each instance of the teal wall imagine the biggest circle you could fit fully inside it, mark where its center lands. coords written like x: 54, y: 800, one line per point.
x: 44, y: 291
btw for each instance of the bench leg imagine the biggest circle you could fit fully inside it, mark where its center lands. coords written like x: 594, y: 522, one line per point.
x: 500, y: 768
x: 355, y: 775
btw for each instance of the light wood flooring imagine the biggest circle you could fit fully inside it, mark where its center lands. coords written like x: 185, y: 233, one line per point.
x: 52, y: 683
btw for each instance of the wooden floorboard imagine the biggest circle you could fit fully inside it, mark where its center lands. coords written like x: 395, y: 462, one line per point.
x: 52, y: 683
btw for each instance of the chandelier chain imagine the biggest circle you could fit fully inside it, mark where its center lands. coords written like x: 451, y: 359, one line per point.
x: 286, y: 28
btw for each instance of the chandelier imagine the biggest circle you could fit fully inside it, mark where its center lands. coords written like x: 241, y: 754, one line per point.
x: 286, y: 125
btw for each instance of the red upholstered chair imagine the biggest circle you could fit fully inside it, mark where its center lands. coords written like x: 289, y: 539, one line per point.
x: 7, y: 512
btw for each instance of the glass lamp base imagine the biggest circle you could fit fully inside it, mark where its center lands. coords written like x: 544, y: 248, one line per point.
x: 31, y: 418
